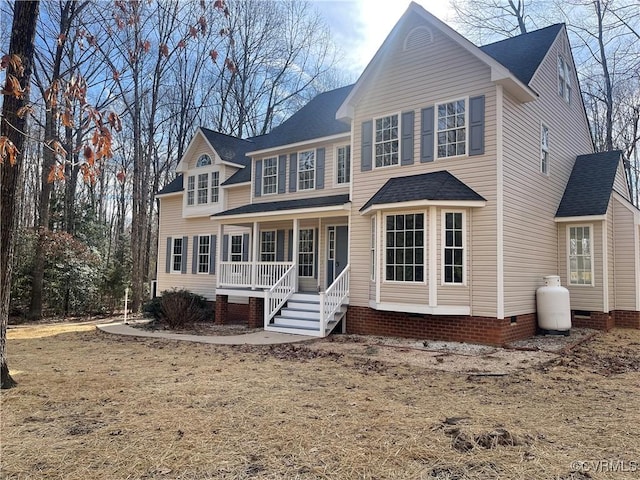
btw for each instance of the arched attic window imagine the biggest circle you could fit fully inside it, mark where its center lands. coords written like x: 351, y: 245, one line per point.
x: 203, y: 161
x: 417, y: 38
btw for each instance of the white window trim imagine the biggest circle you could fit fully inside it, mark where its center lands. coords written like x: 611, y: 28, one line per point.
x: 204, y: 166
x: 373, y: 141
x: 424, y: 248
x: 466, y: 128
x: 275, y: 245
x: 313, y: 252
x: 568, y: 241
x: 347, y: 145
x: 191, y: 191
x: 443, y: 242
x: 565, y: 77
x: 173, y: 254
x: 543, y: 150
x: 315, y: 168
x: 198, y: 272
x: 372, y: 248
x: 212, y: 186
x: 264, y: 168
x: 198, y: 209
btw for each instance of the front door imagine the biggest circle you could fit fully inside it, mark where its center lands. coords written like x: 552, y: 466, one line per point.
x: 337, y: 251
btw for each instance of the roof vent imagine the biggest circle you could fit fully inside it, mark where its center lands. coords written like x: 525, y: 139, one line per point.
x: 417, y: 38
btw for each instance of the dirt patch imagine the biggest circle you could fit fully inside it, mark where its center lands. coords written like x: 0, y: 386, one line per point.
x: 128, y: 407
x: 196, y: 328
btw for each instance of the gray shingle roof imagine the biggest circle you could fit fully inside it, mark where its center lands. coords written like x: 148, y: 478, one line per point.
x: 522, y: 54
x: 172, y: 187
x: 230, y: 149
x: 439, y: 185
x: 590, y: 185
x: 316, y: 119
x: 284, y: 205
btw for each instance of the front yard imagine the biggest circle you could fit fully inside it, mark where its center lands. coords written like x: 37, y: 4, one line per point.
x: 91, y: 405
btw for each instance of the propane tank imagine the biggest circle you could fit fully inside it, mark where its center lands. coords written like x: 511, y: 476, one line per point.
x: 554, y: 310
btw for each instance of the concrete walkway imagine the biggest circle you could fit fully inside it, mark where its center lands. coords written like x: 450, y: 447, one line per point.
x: 255, y: 338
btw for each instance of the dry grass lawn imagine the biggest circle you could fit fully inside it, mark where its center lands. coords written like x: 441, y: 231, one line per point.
x: 91, y: 405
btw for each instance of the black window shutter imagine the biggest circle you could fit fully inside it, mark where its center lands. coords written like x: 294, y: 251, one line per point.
x: 290, y: 247
x: 185, y: 249
x: 225, y: 248
x: 194, y: 258
x: 320, y: 168
x: 280, y: 246
x: 213, y: 249
x: 366, y: 152
x: 169, y: 252
x: 293, y: 172
x: 476, y: 125
x: 282, y: 174
x: 245, y: 247
x: 258, y: 179
x: 427, y: 135
x: 407, y: 138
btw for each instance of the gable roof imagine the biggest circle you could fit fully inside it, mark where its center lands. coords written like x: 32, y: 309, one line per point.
x: 523, y: 54
x: 434, y: 186
x: 231, y: 149
x: 174, y: 186
x: 286, y: 205
x: 590, y: 185
x: 317, y: 119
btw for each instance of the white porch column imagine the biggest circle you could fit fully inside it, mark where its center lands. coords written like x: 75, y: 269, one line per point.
x: 295, y: 250
x: 319, y: 262
x: 254, y: 255
x: 219, y: 253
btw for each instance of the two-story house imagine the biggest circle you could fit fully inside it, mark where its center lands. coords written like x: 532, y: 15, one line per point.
x: 429, y: 199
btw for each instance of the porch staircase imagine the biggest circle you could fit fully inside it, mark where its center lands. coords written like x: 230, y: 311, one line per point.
x: 301, y: 316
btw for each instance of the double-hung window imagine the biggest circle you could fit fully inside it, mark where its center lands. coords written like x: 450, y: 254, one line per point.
x: 306, y: 252
x: 343, y: 164
x: 215, y: 187
x: 453, y: 248
x: 176, y: 255
x: 236, y: 248
x: 203, y: 188
x: 405, y: 248
x: 564, y: 79
x: 191, y: 187
x: 580, y: 255
x: 307, y: 170
x: 387, y: 144
x: 544, y: 150
x: 204, y: 251
x: 270, y: 176
x: 452, y: 129
x: 268, y: 246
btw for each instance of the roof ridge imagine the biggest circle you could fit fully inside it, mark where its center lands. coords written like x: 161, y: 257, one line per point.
x: 521, y: 35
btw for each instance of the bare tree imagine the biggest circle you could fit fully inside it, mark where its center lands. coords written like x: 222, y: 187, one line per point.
x: 19, y: 66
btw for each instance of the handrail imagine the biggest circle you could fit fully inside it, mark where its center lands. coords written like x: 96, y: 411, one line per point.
x: 333, y: 298
x: 277, y: 296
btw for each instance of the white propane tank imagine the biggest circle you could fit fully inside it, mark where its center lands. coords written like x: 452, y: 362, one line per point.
x: 554, y: 310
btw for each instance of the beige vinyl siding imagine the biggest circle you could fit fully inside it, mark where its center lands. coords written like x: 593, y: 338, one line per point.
x: 330, y: 186
x: 173, y: 225
x: 620, y: 182
x: 237, y: 196
x: 530, y: 197
x: 626, y: 287
x: 197, y: 148
x: 583, y: 297
x: 412, y: 80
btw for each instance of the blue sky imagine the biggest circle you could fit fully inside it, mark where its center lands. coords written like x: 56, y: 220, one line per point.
x: 360, y: 26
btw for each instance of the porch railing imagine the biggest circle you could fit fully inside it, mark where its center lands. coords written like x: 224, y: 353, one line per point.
x: 333, y: 298
x: 277, y: 296
x: 251, y: 274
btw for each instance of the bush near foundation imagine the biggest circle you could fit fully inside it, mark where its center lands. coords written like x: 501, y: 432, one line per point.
x: 179, y: 308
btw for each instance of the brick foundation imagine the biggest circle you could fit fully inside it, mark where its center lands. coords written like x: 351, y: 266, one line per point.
x: 484, y: 330
x: 607, y: 321
x: 222, y: 309
x: 627, y: 318
x: 230, y: 313
x: 256, y: 312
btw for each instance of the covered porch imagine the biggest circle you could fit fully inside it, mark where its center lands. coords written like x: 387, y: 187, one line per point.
x: 291, y: 263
